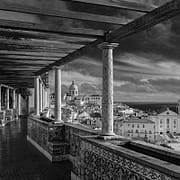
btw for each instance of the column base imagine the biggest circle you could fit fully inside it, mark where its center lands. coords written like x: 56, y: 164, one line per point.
x: 58, y: 122
x: 107, y: 136
x: 113, y: 137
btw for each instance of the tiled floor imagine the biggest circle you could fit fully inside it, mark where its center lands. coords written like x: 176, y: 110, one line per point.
x: 20, y: 161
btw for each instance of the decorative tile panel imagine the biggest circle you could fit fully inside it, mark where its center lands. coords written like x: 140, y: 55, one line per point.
x: 105, y: 165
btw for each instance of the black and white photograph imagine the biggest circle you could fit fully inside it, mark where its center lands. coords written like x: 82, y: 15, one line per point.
x: 89, y: 89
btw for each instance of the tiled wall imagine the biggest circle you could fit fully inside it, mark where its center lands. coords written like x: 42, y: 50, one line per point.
x: 95, y: 159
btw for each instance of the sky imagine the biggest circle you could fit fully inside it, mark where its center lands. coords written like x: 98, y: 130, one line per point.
x: 146, y: 67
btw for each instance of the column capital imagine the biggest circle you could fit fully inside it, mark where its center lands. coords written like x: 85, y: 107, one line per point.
x: 36, y: 76
x: 108, y: 45
x: 57, y: 67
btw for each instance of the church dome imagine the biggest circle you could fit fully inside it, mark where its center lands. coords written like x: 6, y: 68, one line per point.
x: 73, y: 86
x: 73, y: 89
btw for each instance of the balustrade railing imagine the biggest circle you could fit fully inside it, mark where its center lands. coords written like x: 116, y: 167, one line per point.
x: 95, y: 158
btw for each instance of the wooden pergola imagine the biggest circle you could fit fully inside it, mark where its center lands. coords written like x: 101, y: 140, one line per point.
x: 37, y: 35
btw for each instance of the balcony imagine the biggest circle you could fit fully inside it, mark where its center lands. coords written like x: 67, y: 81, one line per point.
x: 96, y: 158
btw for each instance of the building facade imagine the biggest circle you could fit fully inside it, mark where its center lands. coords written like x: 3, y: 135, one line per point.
x: 142, y: 129
x: 167, y: 122
x: 93, y: 99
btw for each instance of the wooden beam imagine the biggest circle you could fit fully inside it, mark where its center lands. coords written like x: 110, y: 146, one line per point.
x: 126, y: 5
x: 156, y: 16
x: 150, y: 19
x: 34, y: 43
x: 14, y: 63
x: 27, y: 48
x: 22, y: 68
x: 27, y: 58
x: 65, y: 14
x: 33, y: 54
x: 48, y: 28
x: 20, y: 34
x: 19, y: 84
x: 18, y: 73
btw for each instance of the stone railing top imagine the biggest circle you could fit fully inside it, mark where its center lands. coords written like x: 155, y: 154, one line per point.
x: 82, y: 128
x: 36, y: 118
x: 145, y: 160
x: 157, y: 148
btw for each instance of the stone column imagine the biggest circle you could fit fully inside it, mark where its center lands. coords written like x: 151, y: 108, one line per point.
x: 14, y: 99
x: 0, y: 98
x: 36, y: 95
x: 19, y: 104
x: 40, y: 96
x: 43, y: 99
x: 48, y: 101
x: 107, y: 94
x: 28, y: 107
x: 7, y: 96
x: 57, y: 94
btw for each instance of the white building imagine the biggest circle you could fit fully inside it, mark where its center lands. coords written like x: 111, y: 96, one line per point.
x: 79, y: 100
x: 143, y: 129
x: 93, y: 99
x: 166, y: 122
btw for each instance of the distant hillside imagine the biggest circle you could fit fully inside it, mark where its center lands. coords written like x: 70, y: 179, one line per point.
x: 150, y: 107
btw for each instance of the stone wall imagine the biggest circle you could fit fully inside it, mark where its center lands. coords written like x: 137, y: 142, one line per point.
x: 49, y: 138
x: 104, y: 161
x: 95, y: 158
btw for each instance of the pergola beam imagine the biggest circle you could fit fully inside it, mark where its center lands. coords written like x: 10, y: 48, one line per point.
x: 55, y: 29
x: 34, y: 43
x: 130, y: 6
x: 33, y: 59
x: 41, y: 55
x: 150, y: 19
x: 42, y: 36
x: 65, y: 14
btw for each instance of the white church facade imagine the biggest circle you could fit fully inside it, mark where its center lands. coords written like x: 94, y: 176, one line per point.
x: 167, y: 122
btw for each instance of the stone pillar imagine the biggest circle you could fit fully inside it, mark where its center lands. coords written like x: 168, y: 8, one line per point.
x: 0, y: 98
x: 7, y: 96
x: 58, y: 94
x: 19, y: 103
x: 43, y: 99
x: 107, y: 94
x: 14, y: 99
x: 48, y: 98
x: 36, y: 95
x: 28, y: 107
x: 40, y: 96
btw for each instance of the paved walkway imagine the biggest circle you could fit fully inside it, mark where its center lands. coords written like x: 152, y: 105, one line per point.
x: 20, y: 161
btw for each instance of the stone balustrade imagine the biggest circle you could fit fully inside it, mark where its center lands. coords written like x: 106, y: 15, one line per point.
x: 7, y: 116
x: 94, y: 158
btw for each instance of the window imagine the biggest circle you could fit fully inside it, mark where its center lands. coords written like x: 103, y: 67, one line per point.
x: 150, y: 132
x: 132, y: 125
x: 174, y: 123
x: 138, y: 126
x: 137, y: 131
x: 167, y: 121
x: 143, y: 126
x: 161, y: 121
